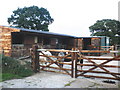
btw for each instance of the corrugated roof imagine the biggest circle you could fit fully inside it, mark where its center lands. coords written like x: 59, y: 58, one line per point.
x: 90, y: 37
x: 50, y: 33
x: 43, y: 32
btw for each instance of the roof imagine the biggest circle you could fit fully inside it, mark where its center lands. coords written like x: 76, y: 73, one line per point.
x: 50, y: 33
x: 42, y: 32
x: 90, y: 37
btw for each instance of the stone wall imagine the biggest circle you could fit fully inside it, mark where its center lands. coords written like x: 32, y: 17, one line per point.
x: 19, y: 50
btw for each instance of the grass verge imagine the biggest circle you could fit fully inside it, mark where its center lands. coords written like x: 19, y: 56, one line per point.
x: 8, y: 76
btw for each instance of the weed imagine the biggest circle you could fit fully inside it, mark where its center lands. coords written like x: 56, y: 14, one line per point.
x: 68, y: 84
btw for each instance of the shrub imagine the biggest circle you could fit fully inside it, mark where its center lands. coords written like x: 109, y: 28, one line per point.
x: 13, y: 67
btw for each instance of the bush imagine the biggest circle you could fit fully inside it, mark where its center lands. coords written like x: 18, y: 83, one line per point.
x: 13, y: 67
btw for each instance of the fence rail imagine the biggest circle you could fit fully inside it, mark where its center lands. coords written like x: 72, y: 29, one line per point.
x: 89, y: 65
x: 107, y: 48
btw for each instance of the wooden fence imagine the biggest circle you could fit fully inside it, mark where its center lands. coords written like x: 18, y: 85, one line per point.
x: 107, y: 48
x: 93, y: 67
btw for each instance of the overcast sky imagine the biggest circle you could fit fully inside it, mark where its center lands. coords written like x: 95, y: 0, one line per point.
x: 72, y: 17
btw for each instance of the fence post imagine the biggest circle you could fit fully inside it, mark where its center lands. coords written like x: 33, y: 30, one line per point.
x: 72, y: 72
x: 72, y: 56
x: 74, y: 64
x: 35, y: 59
x: 76, y: 58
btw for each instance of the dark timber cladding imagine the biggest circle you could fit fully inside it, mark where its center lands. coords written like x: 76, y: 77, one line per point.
x: 47, y: 39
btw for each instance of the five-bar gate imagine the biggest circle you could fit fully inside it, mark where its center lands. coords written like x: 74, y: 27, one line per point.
x: 95, y: 67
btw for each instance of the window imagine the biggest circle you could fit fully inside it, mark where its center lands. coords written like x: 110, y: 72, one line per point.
x: 46, y: 41
x: 17, y: 38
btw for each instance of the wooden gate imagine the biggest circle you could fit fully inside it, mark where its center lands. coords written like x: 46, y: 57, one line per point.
x: 52, y: 64
x: 95, y: 67
x: 99, y: 67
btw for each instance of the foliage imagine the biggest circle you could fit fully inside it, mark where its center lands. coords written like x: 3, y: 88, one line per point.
x: 107, y: 27
x: 119, y: 52
x: 8, y: 76
x: 12, y: 68
x: 31, y: 18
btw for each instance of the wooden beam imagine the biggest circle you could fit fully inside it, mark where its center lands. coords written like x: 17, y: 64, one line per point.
x: 56, y: 67
x: 99, y: 72
x: 116, y: 59
x: 94, y: 51
x: 57, y: 62
x: 111, y: 66
x: 100, y: 77
x: 99, y: 65
x: 55, y: 71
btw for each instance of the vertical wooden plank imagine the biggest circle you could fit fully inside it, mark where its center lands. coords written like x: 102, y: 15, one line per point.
x: 75, y: 44
x: 75, y: 63
x: 72, y: 68
x: 35, y: 59
x: 80, y: 44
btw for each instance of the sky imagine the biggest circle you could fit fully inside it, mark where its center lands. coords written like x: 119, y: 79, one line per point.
x: 72, y: 17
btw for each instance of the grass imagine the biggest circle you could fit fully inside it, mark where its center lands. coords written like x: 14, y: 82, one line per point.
x: 68, y: 84
x: 12, y: 69
x: 94, y: 84
x: 8, y: 76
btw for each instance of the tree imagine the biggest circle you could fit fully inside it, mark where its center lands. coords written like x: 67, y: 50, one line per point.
x: 31, y: 18
x: 107, y: 27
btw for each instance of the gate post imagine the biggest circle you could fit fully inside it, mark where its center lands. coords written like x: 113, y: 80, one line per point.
x: 72, y: 72
x: 35, y: 59
x: 76, y: 58
x: 74, y: 64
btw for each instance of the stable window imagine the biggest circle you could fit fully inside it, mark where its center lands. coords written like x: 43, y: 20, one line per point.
x: 40, y: 40
x: 17, y: 38
x: 54, y: 41
x: 46, y: 41
x: 86, y: 43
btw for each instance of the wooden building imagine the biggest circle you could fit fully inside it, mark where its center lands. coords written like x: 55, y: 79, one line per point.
x: 17, y: 42
x: 88, y: 43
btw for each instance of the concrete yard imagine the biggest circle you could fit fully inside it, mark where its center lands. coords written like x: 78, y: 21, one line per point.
x: 55, y: 80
